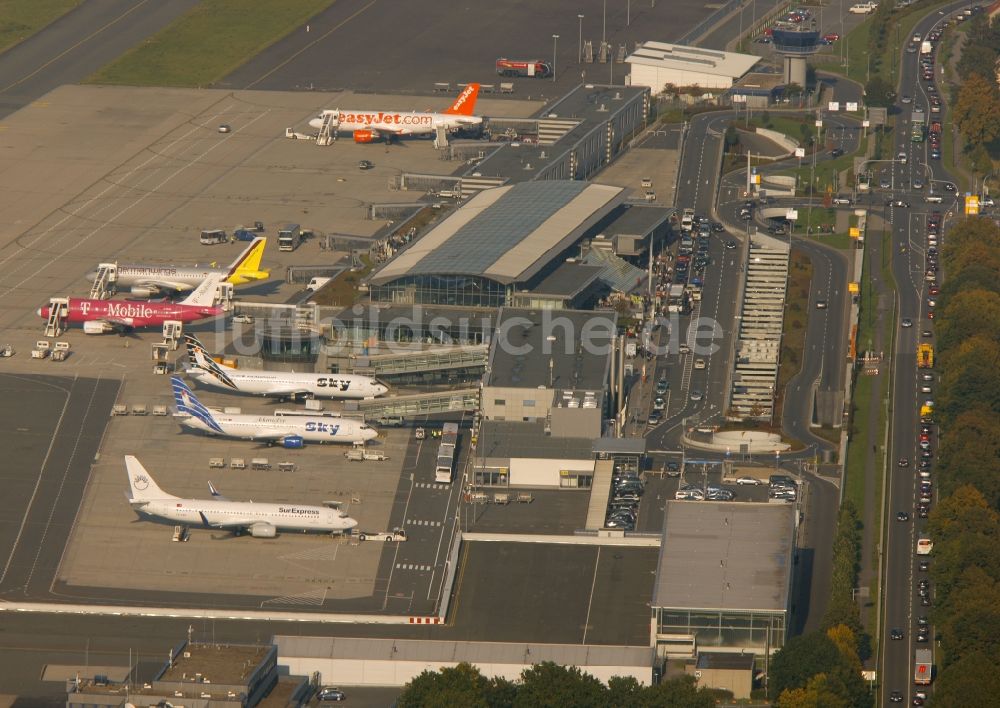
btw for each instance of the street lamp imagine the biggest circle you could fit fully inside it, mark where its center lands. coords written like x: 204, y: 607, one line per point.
x: 555, y: 42
x: 579, y: 44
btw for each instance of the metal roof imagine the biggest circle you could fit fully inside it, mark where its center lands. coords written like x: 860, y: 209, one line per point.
x: 617, y: 273
x: 451, y: 651
x: 680, y: 57
x: 726, y: 556
x: 506, y: 233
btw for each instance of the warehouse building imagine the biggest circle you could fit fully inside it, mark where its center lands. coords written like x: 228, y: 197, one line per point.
x: 723, y: 583
x: 395, y: 662
x: 657, y: 64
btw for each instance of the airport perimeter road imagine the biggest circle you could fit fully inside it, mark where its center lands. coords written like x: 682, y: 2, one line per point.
x: 900, y: 599
x: 78, y: 44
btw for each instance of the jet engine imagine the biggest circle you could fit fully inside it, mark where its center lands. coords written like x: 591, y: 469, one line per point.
x: 364, y: 136
x: 263, y: 531
x: 96, y: 327
x: 144, y: 292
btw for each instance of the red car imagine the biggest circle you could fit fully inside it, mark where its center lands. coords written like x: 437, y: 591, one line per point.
x: 831, y: 37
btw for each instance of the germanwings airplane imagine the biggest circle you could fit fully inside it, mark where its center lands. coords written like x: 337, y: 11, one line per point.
x: 278, y: 384
x: 261, y: 520
x: 291, y: 431
x: 150, y: 280
x: 102, y: 316
x: 369, y: 126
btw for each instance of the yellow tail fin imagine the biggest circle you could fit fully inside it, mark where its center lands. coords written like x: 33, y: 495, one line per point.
x: 247, y: 266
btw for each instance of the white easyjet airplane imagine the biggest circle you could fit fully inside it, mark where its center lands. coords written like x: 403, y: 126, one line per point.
x: 369, y: 126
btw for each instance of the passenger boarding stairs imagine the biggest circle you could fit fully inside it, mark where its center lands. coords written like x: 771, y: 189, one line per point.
x: 58, y: 311
x: 328, y: 131
x: 104, y: 283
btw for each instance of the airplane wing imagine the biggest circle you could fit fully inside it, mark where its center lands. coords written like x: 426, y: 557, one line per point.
x: 271, y: 434
x: 289, y: 392
x: 225, y: 524
x: 166, y: 286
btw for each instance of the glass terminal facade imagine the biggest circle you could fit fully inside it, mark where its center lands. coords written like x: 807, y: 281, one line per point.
x: 461, y: 290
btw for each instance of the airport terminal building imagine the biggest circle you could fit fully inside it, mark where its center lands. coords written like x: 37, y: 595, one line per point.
x: 502, y: 241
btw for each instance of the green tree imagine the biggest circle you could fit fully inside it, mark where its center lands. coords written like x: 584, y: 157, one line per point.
x: 462, y: 685
x: 976, y: 109
x: 549, y: 685
x: 799, y: 660
x: 624, y: 692
x: 681, y: 692
x: 970, y: 378
x: 969, y: 454
x: 970, y: 623
x: 879, y: 92
x: 817, y: 693
x: 966, y: 314
x: 971, y: 681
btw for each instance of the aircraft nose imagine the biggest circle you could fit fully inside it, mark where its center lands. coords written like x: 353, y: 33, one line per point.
x: 41, y: 312
x: 316, y: 123
x: 92, y: 276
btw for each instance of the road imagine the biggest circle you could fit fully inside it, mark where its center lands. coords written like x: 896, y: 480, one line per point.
x: 908, y: 251
x: 78, y: 44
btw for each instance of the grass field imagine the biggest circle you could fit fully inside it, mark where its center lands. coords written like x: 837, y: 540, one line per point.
x: 793, y: 336
x: 208, y: 42
x: 19, y: 19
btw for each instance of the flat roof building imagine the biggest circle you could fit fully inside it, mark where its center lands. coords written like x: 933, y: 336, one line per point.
x: 656, y: 64
x: 724, y: 578
x: 543, y: 398
x: 502, y: 240
x: 197, y: 674
x: 395, y: 662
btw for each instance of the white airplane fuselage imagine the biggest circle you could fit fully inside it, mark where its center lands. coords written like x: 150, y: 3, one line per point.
x: 289, y: 517
x: 278, y: 384
x: 396, y: 122
x: 314, y: 429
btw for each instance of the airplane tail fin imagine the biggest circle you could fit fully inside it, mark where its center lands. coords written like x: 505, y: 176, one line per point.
x: 142, y: 486
x: 200, y: 359
x: 188, y: 404
x: 247, y: 266
x: 204, y: 294
x: 466, y: 101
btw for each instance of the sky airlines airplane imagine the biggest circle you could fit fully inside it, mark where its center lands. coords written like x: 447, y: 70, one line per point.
x: 278, y: 384
x: 288, y: 430
x: 369, y: 126
x: 102, y: 316
x: 150, y: 280
x: 261, y: 520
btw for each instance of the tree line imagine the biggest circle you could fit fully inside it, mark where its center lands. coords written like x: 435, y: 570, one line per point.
x: 965, y: 525
x: 550, y: 685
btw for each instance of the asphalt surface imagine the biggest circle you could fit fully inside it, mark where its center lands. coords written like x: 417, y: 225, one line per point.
x: 78, y: 44
x: 51, y: 441
x: 387, y: 46
x: 900, y: 575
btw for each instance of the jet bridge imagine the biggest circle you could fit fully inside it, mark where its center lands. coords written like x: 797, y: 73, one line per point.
x: 418, y: 404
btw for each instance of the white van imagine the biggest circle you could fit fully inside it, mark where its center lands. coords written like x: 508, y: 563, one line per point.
x: 317, y: 283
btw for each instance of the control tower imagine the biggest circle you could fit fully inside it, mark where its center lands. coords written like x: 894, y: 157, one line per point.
x: 796, y: 40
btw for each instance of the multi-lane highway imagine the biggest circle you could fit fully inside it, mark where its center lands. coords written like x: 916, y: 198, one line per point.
x: 901, y: 600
